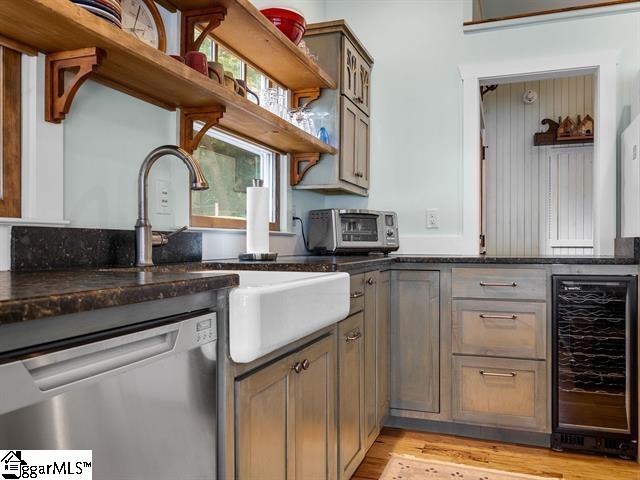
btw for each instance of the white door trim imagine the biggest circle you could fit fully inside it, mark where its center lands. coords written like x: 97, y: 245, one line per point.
x: 604, y: 65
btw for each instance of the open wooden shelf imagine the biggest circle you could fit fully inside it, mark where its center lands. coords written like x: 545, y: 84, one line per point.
x: 137, y: 69
x: 250, y: 34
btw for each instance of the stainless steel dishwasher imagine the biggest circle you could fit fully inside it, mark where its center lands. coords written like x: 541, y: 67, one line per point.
x: 144, y: 402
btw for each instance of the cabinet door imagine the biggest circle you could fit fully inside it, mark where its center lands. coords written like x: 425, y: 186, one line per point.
x: 382, y: 319
x: 415, y: 341
x: 370, y: 363
x: 315, y: 453
x: 350, y: 70
x: 263, y: 423
x: 348, y: 142
x: 350, y: 394
x: 362, y: 150
x: 364, y: 86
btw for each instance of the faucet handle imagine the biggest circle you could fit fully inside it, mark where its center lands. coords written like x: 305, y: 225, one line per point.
x: 161, y: 239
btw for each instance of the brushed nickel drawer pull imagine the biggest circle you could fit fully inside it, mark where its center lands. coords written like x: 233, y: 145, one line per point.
x: 357, y: 294
x: 492, y: 284
x: 353, y: 336
x: 495, y: 374
x: 499, y: 317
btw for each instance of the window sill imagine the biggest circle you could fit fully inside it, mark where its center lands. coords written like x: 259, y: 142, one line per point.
x: 34, y: 222
x: 237, y: 231
x: 549, y: 17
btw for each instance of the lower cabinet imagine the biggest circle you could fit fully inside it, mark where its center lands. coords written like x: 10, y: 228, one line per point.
x: 285, y: 417
x: 351, y: 394
x: 415, y: 341
x: 500, y: 392
x: 371, y: 424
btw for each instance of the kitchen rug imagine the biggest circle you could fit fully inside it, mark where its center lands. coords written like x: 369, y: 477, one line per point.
x: 411, y: 468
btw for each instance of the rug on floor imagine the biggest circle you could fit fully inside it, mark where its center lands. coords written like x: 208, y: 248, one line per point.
x: 404, y: 467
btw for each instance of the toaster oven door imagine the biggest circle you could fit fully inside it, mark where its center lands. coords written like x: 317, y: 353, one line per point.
x: 359, y: 231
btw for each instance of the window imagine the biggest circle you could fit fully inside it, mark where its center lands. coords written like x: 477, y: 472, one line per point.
x: 257, y: 81
x: 10, y: 132
x: 230, y: 166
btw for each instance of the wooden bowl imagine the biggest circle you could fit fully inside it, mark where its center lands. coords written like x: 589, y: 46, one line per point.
x: 289, y: 22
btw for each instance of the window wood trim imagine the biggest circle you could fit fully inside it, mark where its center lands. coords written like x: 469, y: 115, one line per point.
x: 552, y: 11
x: 202, y: 221
x: 10, y: 106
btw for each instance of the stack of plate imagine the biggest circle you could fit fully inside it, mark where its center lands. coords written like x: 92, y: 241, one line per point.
x: 110, y: 10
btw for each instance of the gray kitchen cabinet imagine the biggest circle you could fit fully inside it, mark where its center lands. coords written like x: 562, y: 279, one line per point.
x: 415, y: 341
x: 285, y: 417
x: 500, y: 392
x: 383, y: 293
x: 371, y: 423
x: 344, y: 112
x: 351, y: 394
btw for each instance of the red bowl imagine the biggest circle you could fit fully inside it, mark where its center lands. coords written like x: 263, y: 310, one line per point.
x: 289, y: 22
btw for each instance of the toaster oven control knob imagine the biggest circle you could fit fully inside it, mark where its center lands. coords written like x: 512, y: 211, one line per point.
x: 389, y: 233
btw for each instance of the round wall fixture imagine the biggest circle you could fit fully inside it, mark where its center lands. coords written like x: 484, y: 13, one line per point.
x: 530, y: 96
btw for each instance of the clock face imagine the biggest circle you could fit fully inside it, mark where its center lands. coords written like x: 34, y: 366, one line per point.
x: 138, y: 21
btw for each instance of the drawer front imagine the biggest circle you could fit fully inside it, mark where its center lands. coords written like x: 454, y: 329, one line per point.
x: 500, y: 392
x: 501, y: 329
x: 501, y: 283
x: 357, y: 293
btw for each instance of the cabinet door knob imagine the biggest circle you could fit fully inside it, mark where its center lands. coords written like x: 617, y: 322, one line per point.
x: 370, y: 281
x: 306, y: 364
x: 297, y: 367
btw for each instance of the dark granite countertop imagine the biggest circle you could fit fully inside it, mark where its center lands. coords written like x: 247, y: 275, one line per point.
x: 32, y: 295
x: 350, y: 263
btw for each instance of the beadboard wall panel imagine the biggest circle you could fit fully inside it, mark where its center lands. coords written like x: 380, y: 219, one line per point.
x: 519, y: 204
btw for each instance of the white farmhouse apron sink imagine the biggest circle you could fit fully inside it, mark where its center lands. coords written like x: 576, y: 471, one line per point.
x: 272, y: 309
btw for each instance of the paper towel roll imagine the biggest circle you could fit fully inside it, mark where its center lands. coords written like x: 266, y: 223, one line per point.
x: 257, y: 220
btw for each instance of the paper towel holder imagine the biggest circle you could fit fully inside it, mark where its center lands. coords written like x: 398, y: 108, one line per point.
x: 258, y: 257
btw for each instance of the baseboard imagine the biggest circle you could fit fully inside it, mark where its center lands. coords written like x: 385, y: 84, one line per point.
x: 537, y: 439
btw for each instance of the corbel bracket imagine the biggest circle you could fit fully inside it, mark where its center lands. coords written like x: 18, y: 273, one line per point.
x: 209, y: 116
x: 58, y: 97
x: 308, y: 95
x: 300, y: 165
x: 207, y: 18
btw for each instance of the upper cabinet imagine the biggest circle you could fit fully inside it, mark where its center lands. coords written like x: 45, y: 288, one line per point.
x: 344, y: 113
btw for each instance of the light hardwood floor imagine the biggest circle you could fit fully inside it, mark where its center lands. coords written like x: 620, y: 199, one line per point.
x: 500, y: 456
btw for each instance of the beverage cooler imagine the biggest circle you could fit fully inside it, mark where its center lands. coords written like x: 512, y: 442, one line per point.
x: 595, y: 400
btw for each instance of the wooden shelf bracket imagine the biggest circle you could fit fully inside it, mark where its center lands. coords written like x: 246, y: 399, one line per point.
x: 300, y: 165
x: 308, y: 95
x: 208, y: 116
x: 208, y: 18
x: 58, y: 94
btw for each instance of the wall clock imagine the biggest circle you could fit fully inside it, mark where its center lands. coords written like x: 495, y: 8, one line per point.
x: 142, y: 19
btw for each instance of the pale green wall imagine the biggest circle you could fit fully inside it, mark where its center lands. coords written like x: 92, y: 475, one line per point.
x: 416, y: 137
x: 416, y: 111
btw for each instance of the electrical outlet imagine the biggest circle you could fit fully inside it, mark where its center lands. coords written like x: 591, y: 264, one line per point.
x: 163, y: 197
x: 433, y: 218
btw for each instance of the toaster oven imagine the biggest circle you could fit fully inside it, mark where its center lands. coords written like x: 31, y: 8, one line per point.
x: 353, y: 231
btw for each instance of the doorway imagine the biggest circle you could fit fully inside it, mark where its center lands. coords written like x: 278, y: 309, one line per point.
x: 537, y: 137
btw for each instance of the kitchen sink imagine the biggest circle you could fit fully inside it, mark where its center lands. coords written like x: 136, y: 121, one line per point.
x: 272, y: 309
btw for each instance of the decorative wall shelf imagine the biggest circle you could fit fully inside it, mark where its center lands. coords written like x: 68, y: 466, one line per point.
x: 129, y: 65
x: 550, y: 137
x: 250, y: 34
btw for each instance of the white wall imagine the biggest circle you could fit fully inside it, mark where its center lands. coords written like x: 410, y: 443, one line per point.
x: 417, y: 109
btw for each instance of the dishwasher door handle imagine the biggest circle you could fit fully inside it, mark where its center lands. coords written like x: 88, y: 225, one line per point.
x: 66, y: 371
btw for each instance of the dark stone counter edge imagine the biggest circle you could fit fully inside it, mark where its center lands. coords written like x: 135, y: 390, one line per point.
x: 21, y: 310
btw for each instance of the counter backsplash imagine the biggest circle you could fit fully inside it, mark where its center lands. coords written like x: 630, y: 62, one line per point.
x: 55, y: 248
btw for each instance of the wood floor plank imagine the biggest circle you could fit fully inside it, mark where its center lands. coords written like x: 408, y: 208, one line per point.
x: 500, y: 456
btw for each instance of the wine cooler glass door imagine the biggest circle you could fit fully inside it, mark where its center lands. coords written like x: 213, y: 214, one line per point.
x: 592, y: 355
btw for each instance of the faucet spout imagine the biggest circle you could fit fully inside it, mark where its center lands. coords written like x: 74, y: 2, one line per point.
x: 144, y: 233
